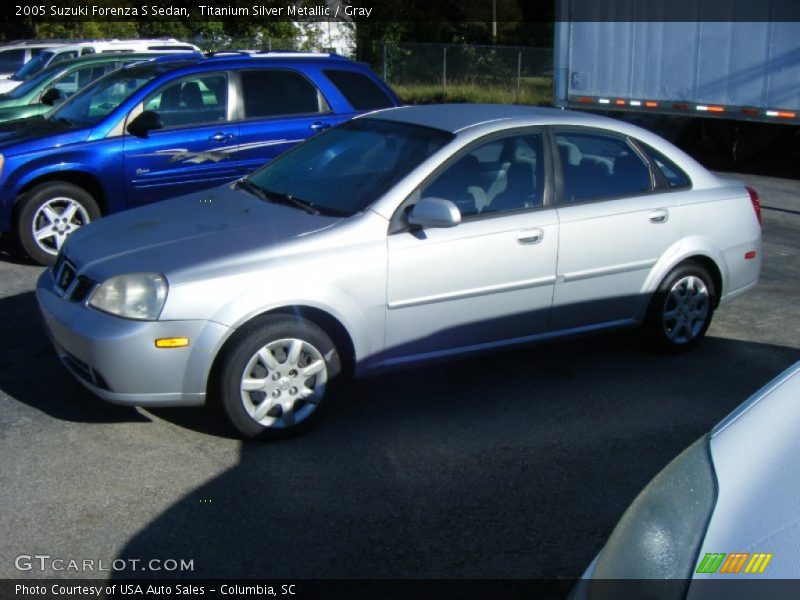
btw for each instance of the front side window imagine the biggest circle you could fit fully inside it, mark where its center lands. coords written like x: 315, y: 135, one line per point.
x: 344, y: 170
x: 279, y: 92
x: 61, y: 57
x: 193, y: 101
x: 595, y: 166
x: 503, y: 175
x: 71, y: 82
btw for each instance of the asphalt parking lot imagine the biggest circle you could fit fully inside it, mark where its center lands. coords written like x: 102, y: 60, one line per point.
x: 515, y: 465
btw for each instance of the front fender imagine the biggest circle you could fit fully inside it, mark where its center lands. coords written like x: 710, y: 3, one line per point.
x: 364, y: 326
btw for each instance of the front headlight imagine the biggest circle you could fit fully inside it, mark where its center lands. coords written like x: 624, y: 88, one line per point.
x: 133, y: 296
x: 660, y: 534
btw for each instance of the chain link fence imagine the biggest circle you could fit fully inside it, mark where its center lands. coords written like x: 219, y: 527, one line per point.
x: 461, y: 72
x: 423, y: 73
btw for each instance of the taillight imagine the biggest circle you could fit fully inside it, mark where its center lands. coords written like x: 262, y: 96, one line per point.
x: 756, y: 202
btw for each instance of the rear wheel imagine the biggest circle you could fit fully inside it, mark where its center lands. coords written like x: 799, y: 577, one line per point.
x: 273, y: 378
x: 49, y: 214
x: 682, y: 308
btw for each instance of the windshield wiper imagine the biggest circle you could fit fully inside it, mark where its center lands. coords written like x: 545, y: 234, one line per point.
x: 252, y: 189
x: 278, y: 197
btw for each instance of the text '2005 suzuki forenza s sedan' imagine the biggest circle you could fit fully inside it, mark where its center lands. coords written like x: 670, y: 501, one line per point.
x: 405, y: 235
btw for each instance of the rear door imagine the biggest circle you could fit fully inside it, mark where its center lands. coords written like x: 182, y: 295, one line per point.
x: 280, y: 107
x: 197, y: 147
x: 614, y: 226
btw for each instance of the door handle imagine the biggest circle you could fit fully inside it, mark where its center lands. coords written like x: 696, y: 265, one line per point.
x: 659, y: 216
x: 319, y: 126
x: 221, y: 137
x: 530, y: 236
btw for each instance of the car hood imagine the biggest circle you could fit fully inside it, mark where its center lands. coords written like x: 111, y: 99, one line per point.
x: 178, y: 235
x: 7, y: 101
x: 17, y: 132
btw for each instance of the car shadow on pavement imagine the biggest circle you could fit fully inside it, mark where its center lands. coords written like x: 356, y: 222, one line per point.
x: 30, y: 372
x: 512, y: 465
x: 10, y: 253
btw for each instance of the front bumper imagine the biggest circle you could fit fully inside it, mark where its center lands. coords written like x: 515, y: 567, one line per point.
x: 117, y: 358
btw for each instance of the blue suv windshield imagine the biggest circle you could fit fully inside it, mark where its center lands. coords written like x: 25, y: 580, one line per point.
x: 343, y: 171
x: 90, y: 105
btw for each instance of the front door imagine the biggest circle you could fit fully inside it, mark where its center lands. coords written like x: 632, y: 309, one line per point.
x: 197, y: 147
x: 490, y: 278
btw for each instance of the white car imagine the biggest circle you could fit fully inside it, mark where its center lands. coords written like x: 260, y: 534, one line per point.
x: 61, y: 52
x: 15, y: 54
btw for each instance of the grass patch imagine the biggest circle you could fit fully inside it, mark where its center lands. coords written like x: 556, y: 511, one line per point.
x: 536, y: 91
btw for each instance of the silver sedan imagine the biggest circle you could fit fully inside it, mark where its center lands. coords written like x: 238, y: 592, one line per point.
x: 404, y: 236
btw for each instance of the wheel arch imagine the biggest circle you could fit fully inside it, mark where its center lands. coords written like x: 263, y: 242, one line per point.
x: 696, y: 249
x: 83, y: 179
x: 713, y: 269
x: 332, y: 326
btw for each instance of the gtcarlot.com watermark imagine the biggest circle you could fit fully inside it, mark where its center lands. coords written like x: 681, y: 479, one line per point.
x: 48, y: 563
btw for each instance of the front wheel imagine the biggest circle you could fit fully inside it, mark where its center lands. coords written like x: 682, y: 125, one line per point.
x: 273, y: 378
x: 49, y: 214
x: 681, y: 309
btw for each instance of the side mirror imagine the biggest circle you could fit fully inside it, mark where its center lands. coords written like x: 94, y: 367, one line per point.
x: 146, y: 121
x: 52, y: 97
x: 434, y: 212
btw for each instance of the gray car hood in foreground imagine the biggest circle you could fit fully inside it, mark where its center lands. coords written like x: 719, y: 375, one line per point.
x: 185, y: 232
x: 755, y: 454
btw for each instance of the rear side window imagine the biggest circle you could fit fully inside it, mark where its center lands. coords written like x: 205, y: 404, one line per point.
x: 360, y: 91
x: 279, y: 92
x: 675, y: 177
x: 11, y: 60
x: 596, y: 166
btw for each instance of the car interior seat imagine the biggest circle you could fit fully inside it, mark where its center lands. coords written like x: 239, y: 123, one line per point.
x: 520, y: 189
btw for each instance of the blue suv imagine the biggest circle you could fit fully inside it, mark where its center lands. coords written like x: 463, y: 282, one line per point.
x: 167, y: 127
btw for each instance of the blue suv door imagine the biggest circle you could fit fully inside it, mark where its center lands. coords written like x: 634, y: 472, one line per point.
x: 196, y: 149
x: 280, y: 107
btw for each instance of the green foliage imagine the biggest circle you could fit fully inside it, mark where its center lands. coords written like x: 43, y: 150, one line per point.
x: 536, y: 92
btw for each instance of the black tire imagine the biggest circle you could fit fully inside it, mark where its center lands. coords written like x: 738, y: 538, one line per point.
x: 281, y: 388
x: 61, y: 196
x: 677, y: 322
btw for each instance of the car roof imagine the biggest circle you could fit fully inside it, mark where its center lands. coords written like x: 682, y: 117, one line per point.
x: 103, y: 57
x: 243, y: 59
x: 454, y: 118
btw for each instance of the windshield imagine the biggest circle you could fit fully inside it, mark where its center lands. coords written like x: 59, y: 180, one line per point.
x: 344, y: 170
x: 31, y: 84
x: 95, y: 101
x: 33, y: 66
